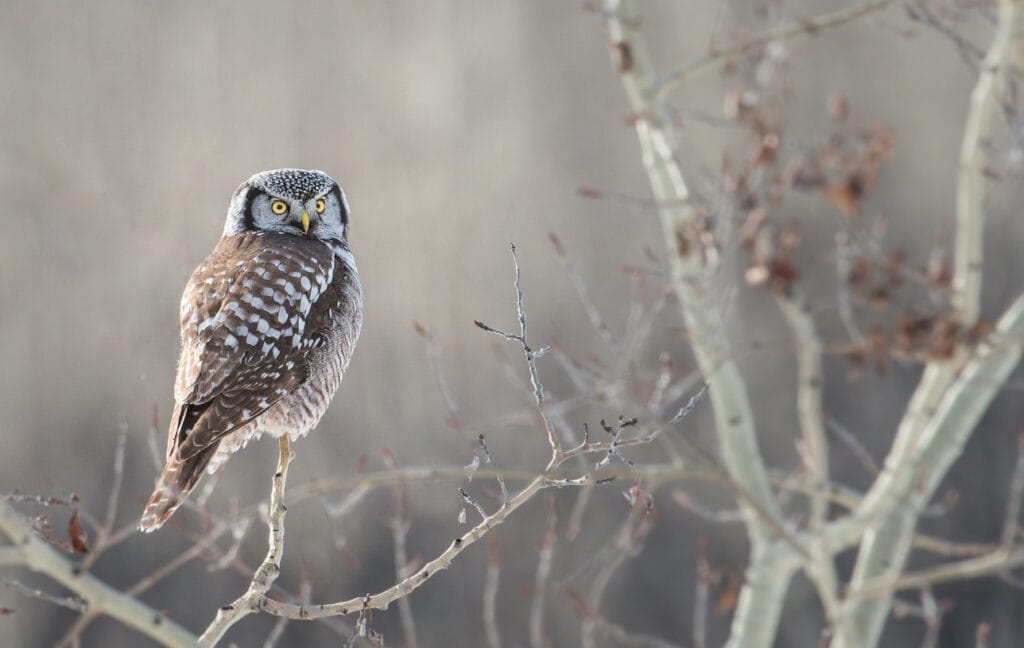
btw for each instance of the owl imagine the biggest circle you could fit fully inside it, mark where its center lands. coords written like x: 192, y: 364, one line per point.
x: 269, y: 321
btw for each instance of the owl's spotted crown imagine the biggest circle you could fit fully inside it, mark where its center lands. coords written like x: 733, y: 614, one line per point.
x: 294, y: 183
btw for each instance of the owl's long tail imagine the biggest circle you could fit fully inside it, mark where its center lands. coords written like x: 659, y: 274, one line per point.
x: 176, y: 481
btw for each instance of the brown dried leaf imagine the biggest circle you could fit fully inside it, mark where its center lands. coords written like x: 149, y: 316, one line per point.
x: 622, y: 54
x: 860, y: 271
x: 847, y: 194
x: 361, y: 463
x: 911, y: 330
x: 557, y: 243
x: 944, y: 339
x: 78, y: 535
x: 729, y: 594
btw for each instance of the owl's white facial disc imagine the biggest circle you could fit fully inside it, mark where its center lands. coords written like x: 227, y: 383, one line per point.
x: 275, y: 201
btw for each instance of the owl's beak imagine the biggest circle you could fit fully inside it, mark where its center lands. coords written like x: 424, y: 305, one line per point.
x: 305, y: 222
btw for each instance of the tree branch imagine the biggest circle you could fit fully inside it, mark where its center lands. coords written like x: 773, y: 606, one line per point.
x: 952, y: 394
x: 733, y: 417
x: 36, y: 554
x: 270, y: 568
x: 888, y: 514
x: 821, y: 569
x: 809, y: 27
x: 971, y: 180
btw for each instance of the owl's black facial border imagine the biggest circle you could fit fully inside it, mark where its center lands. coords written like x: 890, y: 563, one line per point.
x: 248, y: 220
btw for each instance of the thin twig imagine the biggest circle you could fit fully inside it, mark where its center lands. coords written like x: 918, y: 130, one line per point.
x: 850, y: 440
x: 1013, y: 500
x: 997, y: 562
x: 623, y: 545
x: 807, y: 27
x: 399, y: 529
x: 440, y: 379
x: 705, y: 578
x: 593, y: 314
x: 482, y: 441
x: 540, y: 580
x: 69, y: 602
x: 821, y: 567
x: 531, y: 355
x: 491, y: 582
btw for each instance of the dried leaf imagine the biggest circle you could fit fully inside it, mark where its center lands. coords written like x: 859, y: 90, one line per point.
x: 729, y: 594
x: 847, y: 194
x: 590, y: 192
x: 77, y: 533
x: 361, y: 463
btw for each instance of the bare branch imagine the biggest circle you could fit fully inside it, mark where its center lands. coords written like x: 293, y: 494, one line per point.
x: 69, y: 602
x: 971, y: 180
x: 945, y: 407
x: 37, y: 554
x: 733, y: 417
x: 482, y: 441
x: 685, y: 410
x: 382, y: 600
x: 491, y: 581
x: 1013, y: 500
x: 807, y: 27
x: 850, y: 440
x: 531, y: 355
x: 821, y: 568
x: 717, y: 516
x: 593, y: 314
x: 270, y: 568
x: 624, y: 544
x: 399, y: 529
x: 540, y: 581
x: 996, y: 562
x: 434, y: 357
x: 705, y: 578
x: 918, y: 461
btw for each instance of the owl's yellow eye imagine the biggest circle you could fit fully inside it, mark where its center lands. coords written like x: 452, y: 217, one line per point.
x: 279, y: 207
x: 321, y: 205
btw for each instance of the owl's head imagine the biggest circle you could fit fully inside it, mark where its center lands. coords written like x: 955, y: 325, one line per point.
x: 289, y: 201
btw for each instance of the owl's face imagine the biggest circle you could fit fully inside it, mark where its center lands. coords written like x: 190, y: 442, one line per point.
x: 289, y: 201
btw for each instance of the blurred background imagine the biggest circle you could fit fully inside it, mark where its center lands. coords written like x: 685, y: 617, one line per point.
x: 455, y: 128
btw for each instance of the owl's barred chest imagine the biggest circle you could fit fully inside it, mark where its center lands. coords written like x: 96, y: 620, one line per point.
x: 327, y: 358
x: 332, y: 329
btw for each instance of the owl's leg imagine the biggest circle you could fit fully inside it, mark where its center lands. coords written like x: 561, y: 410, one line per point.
x: 176, y: 481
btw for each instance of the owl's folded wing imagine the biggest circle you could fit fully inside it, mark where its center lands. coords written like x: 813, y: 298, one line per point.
x: 243, y: 317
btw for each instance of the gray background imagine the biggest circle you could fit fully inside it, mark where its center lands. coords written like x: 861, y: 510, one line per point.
x: 454, y: 127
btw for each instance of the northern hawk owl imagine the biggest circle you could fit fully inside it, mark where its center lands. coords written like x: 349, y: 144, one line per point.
x: 269, y: 321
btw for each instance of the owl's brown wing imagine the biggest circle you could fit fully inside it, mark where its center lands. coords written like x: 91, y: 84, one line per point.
x: 243, y: 319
